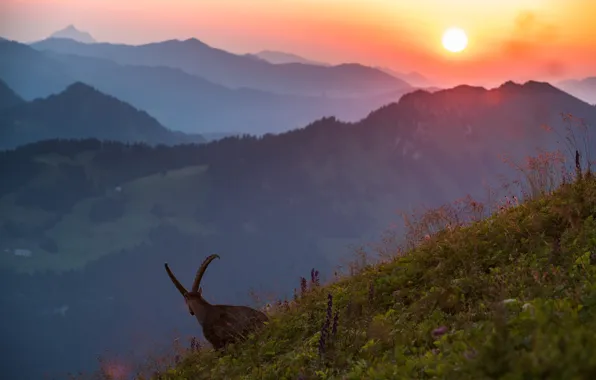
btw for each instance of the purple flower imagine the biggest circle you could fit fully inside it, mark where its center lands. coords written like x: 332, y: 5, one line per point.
x: 439, y: 331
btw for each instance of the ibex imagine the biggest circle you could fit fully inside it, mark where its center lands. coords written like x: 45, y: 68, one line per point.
x: 222, y: 324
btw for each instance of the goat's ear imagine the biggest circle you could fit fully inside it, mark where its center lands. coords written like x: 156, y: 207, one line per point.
x: 200, y: 291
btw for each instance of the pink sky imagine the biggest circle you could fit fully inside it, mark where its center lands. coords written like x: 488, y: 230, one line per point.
x: 508, y: 39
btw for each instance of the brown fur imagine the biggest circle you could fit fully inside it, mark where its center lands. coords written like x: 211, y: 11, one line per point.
x: 222, y: 324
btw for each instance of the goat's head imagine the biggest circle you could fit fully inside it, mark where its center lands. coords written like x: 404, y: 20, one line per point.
x: 194, y: 299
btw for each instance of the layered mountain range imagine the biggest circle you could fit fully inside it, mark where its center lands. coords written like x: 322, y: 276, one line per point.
x: 78, y: 112
x: 191, y: 87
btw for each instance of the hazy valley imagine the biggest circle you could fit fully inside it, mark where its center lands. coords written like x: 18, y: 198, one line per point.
x: 584, y: 89
x: 186, y: 97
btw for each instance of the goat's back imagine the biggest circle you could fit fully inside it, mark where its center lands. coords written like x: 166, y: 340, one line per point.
x: 226, y: 324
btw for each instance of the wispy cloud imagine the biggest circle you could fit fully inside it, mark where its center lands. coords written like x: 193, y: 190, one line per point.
x: 529, y: 36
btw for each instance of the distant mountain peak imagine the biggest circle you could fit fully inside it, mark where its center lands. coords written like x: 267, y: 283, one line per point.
x: 462, y: 91
x: 81, y: 111
x: 531, y: 85
x: 195, y: 41
x: 280, y: 57
x: 78, y: 87
x: 79, y: 92
x: 469, y: 88
x: 189, y: 43
x: 71, y: 32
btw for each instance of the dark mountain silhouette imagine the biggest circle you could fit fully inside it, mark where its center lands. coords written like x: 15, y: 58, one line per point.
x: 235, y: 71
x: 279, y: 57
x: 79, y: 112
x: 476, y: 120
x: 296, y: 200
x: 175, y: 98
x: 73, y: 33
x: 584, y: 89
x: 8, y: 98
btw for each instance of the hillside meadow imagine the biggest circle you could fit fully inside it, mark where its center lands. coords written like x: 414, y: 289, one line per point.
x: 473, y: 291
x: 101, y: 217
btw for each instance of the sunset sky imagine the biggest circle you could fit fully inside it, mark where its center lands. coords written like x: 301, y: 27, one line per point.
x: 508, y: 39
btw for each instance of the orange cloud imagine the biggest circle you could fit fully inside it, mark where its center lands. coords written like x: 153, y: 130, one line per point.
x: 530, y: 35
x: 554, y: 68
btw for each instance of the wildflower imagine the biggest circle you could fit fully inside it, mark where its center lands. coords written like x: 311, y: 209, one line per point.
x: 335, y: 323
x: 303, y: 286
x: 314, y: 277
x: 439, y: 331
x: 195, y: 345
x: 325, y: 327
x: 371, y: 292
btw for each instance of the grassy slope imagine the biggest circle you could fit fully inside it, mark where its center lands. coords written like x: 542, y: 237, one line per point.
x: 439, y: 311
x: 80, y: 240
x: 178, y: 192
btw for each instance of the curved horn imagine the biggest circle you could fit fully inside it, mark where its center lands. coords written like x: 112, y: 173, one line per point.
x: 201, y: 272
x: 175, y: 280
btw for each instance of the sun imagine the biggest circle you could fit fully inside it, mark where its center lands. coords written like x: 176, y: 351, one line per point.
x: 455, y: 40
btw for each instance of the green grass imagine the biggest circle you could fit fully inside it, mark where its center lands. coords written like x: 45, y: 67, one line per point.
x: 80, y: 240
x: 512, y: 296
x: 168, y: 189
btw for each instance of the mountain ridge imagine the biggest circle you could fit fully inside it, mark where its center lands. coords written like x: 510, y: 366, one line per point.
x: 8, y: 97
x: 280, y: 57
x: 474, y: 95
x: 81, y: 111
x: 235, y: 71
x: 30, y: 72
x: 193, y: 104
